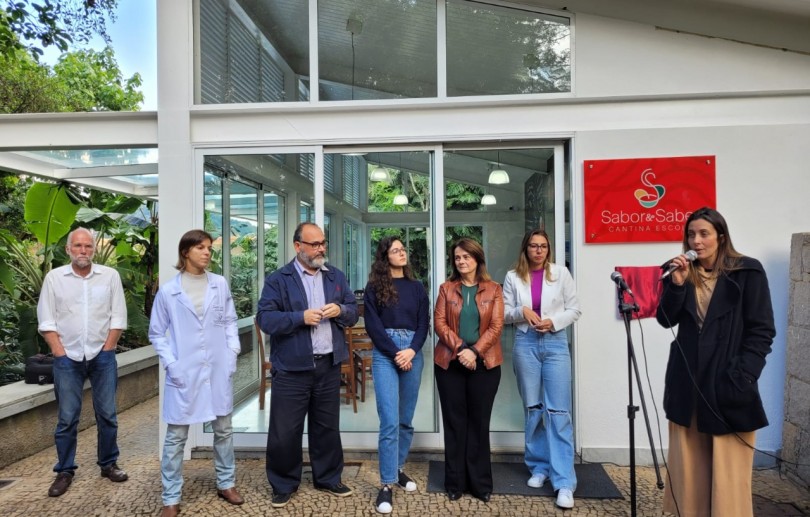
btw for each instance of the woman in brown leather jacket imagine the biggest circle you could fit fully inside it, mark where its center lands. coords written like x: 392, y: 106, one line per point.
x: 468, y: 322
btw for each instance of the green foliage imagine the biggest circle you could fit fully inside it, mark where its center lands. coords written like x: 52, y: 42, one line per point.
x: 94, y: 82
x: 244, y: 282
x: 13, y: 189
x: 126, y: 240
x: 50, y: 210
x: 84, y: 80
x: 33, y: 25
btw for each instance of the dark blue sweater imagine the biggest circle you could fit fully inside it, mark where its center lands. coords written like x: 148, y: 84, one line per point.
x: 411, y: 312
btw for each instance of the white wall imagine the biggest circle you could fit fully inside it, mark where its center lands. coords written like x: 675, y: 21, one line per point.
x: 762, y: 185
x: 615, y: 57
x: 640, y: 92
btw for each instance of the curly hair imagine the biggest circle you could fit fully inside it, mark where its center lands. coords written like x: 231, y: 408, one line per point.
x: 379, y: 279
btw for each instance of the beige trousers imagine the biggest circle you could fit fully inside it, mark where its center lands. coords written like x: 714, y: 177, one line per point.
x: 709, y: 475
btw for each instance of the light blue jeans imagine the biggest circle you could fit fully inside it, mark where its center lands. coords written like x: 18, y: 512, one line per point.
x: 171, y: 466
x: 543, y: 369
x: 396, y: 392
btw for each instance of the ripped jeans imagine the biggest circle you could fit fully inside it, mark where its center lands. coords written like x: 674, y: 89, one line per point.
x: 543, y: 369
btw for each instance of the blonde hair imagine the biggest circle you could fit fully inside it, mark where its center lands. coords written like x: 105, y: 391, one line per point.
x: 522, y: 267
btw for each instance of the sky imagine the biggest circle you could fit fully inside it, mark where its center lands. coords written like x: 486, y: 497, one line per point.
x: 134, y: 39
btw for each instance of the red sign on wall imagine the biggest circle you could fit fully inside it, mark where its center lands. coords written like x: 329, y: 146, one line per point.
x: 645, y: 199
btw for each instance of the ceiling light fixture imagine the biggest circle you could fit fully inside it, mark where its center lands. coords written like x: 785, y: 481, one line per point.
x: 488, y: 199
x: 401, y: 199
x: 498, y: 176
x: 380, y: 173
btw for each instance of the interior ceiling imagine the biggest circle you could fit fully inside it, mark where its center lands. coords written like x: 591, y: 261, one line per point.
x: 777, y: 23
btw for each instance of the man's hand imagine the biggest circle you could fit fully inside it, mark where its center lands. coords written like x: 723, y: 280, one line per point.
x: 330, y: 310
x: 313, y: 316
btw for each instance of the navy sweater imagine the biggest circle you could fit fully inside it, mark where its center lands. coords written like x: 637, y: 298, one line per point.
x: 411, y: 312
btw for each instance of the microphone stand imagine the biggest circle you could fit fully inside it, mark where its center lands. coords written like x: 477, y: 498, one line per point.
x: 627, y: 310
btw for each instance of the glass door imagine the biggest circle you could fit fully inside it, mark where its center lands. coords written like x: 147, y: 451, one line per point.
x: 494, y: 195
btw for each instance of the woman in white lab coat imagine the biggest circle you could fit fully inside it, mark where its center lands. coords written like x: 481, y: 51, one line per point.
x: 193, y: 329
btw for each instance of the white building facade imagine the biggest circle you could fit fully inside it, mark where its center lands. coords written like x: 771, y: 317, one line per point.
x: 430, y: 91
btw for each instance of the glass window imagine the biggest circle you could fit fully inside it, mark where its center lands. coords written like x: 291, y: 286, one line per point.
x: 374, y: 49
x: 496, y: 50
x: 253, y: 51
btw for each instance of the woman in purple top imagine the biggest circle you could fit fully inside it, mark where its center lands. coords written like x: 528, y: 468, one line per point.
x: 540, y: 299
x: 397, y: 320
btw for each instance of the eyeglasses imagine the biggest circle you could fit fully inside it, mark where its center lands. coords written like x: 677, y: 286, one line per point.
x: 397, y: 251
x: 316, y: 245
x: 535, y: 247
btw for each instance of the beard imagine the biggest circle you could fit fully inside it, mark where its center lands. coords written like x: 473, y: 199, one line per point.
x: 81, y: 262
x: 316, y: 262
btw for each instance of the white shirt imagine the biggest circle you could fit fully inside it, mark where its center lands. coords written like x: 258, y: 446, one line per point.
x: 559, y: 301
x: 82, y: 310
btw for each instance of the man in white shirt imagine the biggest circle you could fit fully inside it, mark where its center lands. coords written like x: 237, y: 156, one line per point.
x: 82, y: 313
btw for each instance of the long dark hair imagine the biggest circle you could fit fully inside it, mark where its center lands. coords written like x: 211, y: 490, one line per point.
x: 522, y: 267
x: 728, y: 258
x: 380, y: 280
x: 190, y: 239
x: 477, y: 252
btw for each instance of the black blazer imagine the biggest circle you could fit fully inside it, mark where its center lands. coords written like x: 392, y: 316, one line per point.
x: 726, y: 357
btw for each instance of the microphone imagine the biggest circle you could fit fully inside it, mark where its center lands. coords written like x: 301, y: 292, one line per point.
x: 691, y: 255
x: 618, y: 279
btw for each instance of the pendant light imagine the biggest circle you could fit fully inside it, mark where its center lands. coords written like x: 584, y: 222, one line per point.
x: 488, y: 199
x: 401, y: 199
x: 498, y: 176
x: 379, y: 173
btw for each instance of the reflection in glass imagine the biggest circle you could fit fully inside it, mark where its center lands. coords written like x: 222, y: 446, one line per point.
x: 527, y: 201
x: 374, y: 49
x: 253, y: 51
x: 496, y: 50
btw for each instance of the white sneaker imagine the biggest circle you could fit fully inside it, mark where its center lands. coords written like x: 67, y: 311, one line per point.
x: 565, y: 498
x: 385, y: 500
x: 536, y: 481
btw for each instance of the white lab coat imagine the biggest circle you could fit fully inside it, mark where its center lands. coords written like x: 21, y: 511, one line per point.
x: 559, y: 301
x: 199, y: 354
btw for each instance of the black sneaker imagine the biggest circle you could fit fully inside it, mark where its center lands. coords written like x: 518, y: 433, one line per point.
x: 385, y: 500
x: 339, y: 490
x: 280, y: 500
x: 406, y: 483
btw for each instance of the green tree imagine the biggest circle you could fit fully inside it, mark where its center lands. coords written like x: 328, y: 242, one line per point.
x: 84, y: 80
x: 94, y: 82
x: 32, y: 25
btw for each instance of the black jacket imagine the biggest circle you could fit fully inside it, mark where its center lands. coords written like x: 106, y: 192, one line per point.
x: 726, y: 357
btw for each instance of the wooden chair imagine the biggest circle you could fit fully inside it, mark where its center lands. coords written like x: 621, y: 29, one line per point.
x: 360, y: 352
x: 264, y: 365
x: 362, y: 370
x: 346, y: 384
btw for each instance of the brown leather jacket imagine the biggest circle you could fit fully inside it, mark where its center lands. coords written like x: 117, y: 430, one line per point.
x: 446, y: 316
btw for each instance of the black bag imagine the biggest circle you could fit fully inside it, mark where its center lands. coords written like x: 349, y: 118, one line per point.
x: 39, y: 369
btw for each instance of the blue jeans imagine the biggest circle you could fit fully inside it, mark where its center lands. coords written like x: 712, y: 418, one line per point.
x: 543, y: 369
x: 68, y: 386
x: 396, y: 392
x: 171, y: 466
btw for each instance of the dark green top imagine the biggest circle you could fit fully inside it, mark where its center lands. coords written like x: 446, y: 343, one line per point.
x: 469, y: 321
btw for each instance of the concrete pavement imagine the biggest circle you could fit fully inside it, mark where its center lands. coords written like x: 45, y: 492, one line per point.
x: 91, y: 495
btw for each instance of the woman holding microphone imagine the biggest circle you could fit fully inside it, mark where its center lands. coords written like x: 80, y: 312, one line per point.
x: 722, y: 306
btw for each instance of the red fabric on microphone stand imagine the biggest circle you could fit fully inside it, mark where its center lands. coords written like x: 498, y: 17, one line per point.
x: 645, y: 283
